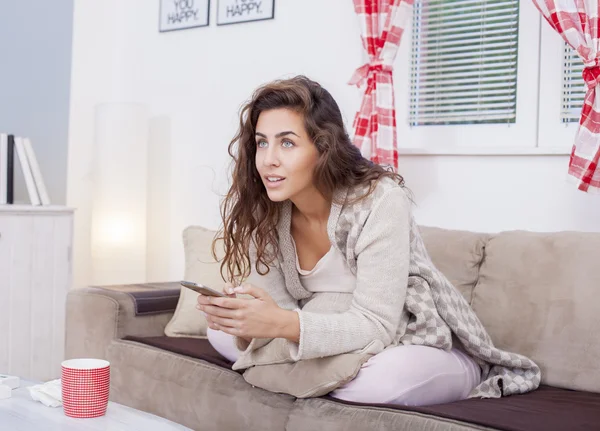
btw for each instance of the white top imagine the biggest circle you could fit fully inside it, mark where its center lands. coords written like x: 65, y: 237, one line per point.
x: 330, y: 274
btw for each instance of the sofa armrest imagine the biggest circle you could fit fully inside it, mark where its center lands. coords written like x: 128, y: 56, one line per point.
x: 97, y: 315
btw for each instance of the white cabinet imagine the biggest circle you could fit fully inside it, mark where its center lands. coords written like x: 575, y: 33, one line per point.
x: 35, y: 276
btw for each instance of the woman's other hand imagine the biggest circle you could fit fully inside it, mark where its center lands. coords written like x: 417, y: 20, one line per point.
x: 259, y: 317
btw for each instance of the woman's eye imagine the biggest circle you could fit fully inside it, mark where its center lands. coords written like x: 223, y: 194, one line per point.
x: 262, y: 144
x: 287, y: 144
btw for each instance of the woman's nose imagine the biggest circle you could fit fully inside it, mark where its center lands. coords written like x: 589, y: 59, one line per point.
x: 271, y: 157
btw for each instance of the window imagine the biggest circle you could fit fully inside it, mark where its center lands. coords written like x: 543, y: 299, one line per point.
x: 464, y: 76
x: 464, y: 62
x: 561, y: 92
x: 573, y: 86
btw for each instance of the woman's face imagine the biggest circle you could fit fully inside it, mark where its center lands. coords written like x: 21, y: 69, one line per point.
x: 285, y: 156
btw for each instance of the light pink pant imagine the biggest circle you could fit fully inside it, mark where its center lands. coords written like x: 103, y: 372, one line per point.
x: 403, y: 375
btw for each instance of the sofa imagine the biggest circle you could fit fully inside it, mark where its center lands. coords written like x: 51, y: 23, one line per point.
x: 536, y: 294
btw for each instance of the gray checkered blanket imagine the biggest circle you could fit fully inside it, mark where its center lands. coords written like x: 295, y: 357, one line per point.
x: 434, y: 309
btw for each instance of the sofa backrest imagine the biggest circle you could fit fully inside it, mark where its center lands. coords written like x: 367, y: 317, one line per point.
x: 537, y: 295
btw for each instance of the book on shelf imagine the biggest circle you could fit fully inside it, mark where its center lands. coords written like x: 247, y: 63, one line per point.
x: 34, y: 197
x: 11, y: 147
x: 10, y: 170
x: 3, y: 168
x: 36, y: 172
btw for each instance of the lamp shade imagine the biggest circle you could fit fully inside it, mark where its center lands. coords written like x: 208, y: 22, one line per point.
x: 118, y: 236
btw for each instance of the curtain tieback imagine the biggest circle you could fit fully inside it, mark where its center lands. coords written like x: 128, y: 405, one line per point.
x: 362, y: 73
x: 591, y: 75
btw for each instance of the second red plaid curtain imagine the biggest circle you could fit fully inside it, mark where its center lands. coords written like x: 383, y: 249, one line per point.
x: 382, y: 25
x: 578, y: 23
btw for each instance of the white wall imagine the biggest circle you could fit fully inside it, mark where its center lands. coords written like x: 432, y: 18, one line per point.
x: 35, y: 71
x: 194, y: 82
x: 495, y: 193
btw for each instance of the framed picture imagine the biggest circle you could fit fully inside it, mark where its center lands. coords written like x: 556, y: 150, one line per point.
x: 236, y: 11
x: 182, y: 14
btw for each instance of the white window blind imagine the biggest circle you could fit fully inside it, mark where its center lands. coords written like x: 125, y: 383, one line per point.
x: 464, y: 62
x: 573, y: 86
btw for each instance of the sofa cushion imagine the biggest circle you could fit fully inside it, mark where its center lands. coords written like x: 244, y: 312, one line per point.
x: 457, y: 254
x: 538, y: 295
x: 200, y: 267
x: 543, y: 408
x: 192, y: 347
x: 191, y: 392
x: 547, y: 408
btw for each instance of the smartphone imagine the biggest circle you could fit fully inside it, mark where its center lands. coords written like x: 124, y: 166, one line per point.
x: 204, y: 290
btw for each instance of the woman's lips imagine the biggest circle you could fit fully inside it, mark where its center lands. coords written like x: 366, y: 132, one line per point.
x: 273, y: 181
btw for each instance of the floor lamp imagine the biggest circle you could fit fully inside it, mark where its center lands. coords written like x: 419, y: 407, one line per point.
x: 118, y: 233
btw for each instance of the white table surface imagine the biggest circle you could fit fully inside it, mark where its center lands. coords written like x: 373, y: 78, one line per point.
x: 21, y: 413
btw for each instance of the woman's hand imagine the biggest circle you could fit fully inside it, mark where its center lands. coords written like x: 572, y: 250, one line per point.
x: 259, y: 317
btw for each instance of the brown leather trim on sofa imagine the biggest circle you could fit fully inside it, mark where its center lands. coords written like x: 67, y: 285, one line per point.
x: 150, y: 298
x: 547, y: 408
x: 151, y: 302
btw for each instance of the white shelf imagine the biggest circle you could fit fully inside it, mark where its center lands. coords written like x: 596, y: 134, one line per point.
x: 35, y: 263
x: 38, y: 209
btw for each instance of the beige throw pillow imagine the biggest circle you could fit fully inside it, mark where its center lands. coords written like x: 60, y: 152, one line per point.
x: 200, y: 267
x: 307, y: 378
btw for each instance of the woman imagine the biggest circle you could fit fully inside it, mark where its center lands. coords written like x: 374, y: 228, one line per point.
x: 338, y: 266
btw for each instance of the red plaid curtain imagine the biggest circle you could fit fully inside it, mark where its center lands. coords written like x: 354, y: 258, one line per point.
x: 577, y: 22
x: 382, y: 24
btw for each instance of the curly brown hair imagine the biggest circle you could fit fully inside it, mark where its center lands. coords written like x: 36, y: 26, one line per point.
x: 247, y: 212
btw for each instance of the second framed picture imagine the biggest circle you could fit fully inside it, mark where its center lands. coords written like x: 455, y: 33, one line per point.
x: 238, y: 11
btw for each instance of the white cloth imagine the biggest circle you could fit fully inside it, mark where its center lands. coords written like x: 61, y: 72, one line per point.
x: 49, y: 393
x: 5, y: 392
